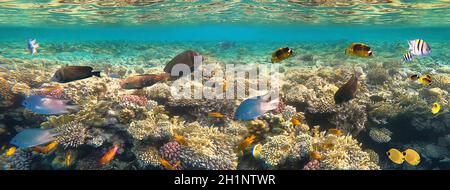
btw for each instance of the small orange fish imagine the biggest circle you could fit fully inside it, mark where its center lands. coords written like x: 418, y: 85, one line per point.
x: 225, y: 86
x: 316, y: 155
x: 166, y: 164
x: 109, y: 155
x: 46, y: 149
x: 335, y: 131
x: 215, y: 115
x: 68, y: 160
x: 245, y: 143
x: 11, y: 151
x: 295, y: 122
x: 180, y: 139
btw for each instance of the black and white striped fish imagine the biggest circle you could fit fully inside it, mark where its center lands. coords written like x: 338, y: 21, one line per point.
x: 419, y: 47
x: 408, y: 57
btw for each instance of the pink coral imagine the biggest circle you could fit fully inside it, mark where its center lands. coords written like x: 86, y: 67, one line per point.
x: 312, y: 165
x: 139, y: 100
x: 280, y: 107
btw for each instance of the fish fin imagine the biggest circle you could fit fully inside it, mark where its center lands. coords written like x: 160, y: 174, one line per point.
x: 267, y: 106
x: 96, y: 73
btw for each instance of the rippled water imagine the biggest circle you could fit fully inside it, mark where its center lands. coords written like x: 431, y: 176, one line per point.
x: 137, y: 12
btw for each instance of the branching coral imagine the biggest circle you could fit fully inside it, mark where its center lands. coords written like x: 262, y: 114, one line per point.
x: 72, y: 134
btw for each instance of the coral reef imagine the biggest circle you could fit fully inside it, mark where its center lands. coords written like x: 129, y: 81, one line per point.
x: 312, y: 165
x: 72, y: 134
x: 382, y: 135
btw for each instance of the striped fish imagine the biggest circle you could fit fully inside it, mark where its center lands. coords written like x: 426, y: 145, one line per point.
x: 408, y: 57
x: 419, y: 47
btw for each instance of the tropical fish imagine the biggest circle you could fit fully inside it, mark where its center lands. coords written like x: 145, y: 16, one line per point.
x: 32, y: 46
x: 316, y: 155
x: 435, y: 108
x: 411, y: 157
x: 327, y: 145
x: 425, y: 80
x: 73, y: 73
x: 281, y: 54
x: 245, y: 143
x: 414, y: 77
x: 142, y: 81
x: 48, y: 148
x: 254, y: 107
x: 47, y: 105
x: 407, y: 57
x: 108, y: 156
x: 180, y: 139
x: 295, y: 122
x: 257, y: 151
x: 359, y: 49
x: 10, y: 151
x: 347, y: 91
x: 187, y: 58
x: 215, y: 115
x: 395, y: 156
x: 33, y: 137
x: 335, y: 131
x: 166, y: 164
x: 419, y: 47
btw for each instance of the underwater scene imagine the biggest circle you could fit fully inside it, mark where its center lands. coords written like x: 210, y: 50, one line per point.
x: 224, y: 85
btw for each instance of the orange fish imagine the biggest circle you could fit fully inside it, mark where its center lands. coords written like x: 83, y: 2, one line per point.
x: 11, y: 151
x: 166, y: 164
x: 245, y: 143
x: 316, y: 155
x: 46, y: 149
x: 180, y: 139
x: 225, y: 86
x: 109, y: 155
x: 295, y: 122
x: 335, y: 131
x: 215, y: 115
x: 327, y: 145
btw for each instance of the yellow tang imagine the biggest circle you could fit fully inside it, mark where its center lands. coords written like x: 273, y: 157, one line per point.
x: 411, y: 157
x: 257, y: 151
x: 395, y: 156
x: 435, y: 108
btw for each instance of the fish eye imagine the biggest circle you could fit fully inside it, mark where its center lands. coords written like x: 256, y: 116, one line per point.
x: 404, y: 153
x: 388, y: 153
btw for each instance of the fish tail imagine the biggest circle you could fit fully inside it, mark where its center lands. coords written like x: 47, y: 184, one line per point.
x: 73, y: 107
x: 96, y: 73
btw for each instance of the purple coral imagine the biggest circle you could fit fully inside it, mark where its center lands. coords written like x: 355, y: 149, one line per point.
x: 312, y: 165
x: 171, y: 152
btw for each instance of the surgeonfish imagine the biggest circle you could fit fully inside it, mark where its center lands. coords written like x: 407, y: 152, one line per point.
x: 359, y: 49
x: 73, y: 73
x: 281, y: 54
x: 32, y: 46
x: 435, y: 108
x: 347, y: 91
x: 395, y: 156
x: 142, y: 81
x: 47, y: 105
x: 108, y: 156
x: 254, y: 107
x: 33, y: 137
x: 187, y: 58
x: 419, y: 47
x: 411, y: 157
x: 407, y: 57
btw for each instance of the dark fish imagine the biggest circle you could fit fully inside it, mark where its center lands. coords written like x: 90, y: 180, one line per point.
x: 347, y: 91
x: 281, y: 54
x: 73, y: 73
x: 187, y: 58
x: 359, y: 49
x: 376, y: 98
x: 142, y: 81
x: 414, y: 77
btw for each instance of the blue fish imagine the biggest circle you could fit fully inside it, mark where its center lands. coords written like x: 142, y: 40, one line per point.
x: 32, y: 137
x: 254, y: 107
x: 47, y: 105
